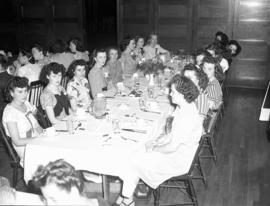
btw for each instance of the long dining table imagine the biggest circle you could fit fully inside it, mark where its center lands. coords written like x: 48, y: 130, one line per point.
x: 95, y: 145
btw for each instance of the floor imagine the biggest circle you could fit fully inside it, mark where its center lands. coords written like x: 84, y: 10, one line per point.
x: 241, y: 176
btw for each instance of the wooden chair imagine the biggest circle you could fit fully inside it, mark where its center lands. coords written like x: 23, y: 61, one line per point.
x: 15, y: 159
x: 183, y: 183
x: 210, y: 133
x: 64, y: 81
x: 36, y: 88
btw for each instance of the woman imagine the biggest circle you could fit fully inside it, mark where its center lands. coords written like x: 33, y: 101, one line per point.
x: 78, y: 88
x: 60, y: 54
x: 27, y: 69
x: 61, y: 184
x: 222, y: 39
x: 38, y: 55
x: 214, y: 73
x: 113, y: 66
x: 200, y: 79
x: 128, y: 59
x: 171, y: 154
x: 216, y: 52
x: 201, y: 53
x: 152, y: 49
x: 18, y: 117
x: 139, y: 52
x: 96, y: 77
x: 234, y: 47
x: 76, y: 48
x: 53, y: 98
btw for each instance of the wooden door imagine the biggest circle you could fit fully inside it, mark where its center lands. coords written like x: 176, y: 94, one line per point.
x: 174, y: 24
x: 251, y: 29
x: 135, y: 17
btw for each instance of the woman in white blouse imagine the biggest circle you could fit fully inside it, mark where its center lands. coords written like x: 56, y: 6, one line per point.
x: 152, y: 49
x: 169, y: 154
x: 19, y: 115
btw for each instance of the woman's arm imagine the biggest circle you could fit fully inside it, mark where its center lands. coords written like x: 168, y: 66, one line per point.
x: 50, y: 114
x: 15, y: 136
x: 73, y: 105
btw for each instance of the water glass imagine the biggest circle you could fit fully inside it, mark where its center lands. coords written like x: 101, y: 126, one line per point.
x: 70, y: 126
x: 116, y: 126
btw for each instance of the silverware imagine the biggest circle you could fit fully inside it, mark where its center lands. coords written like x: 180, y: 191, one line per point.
x: 145, y: 110
x: 80, y: 124
x: 134, y: 130
x: 61, y: 130
x: 124, y: 138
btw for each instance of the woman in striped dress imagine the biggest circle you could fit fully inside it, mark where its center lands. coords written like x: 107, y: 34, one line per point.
x: 215, y: 75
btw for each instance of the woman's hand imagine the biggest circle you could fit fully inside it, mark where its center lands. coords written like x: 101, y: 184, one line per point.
x: 149, y: 146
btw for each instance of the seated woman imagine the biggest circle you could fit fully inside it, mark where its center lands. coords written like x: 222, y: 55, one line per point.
x: 128, y: 58
x: 167, y: 155
x: 38, y: 55
x: 53, y: 98
x: 222, y: 40
x: 27, y: 69
x: 113, y: 66
x: 139, y: 52
x: 18, y: 117
x: 96, y: 77
x: 200, y: 79
x: 77, y: 49
x: 199, y: 56
x: 61, y: 184
x: 60, y: 54
x: 152, y: 49
x: 78, y: 88
x: 214, y: 73
x: 216, y: 52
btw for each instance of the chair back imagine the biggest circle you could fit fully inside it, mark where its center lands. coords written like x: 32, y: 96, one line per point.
x: 9, y: 147
x: 212, y: 119
x: 36, y: 88
x: 64, y: 81
x: 196, y: 157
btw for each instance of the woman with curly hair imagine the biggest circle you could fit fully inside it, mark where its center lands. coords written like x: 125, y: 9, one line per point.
x: 215, y: 75
x: 53, y: 98
x: 19, y: 119
x: 128, y: 57
x: 61, y: 184
x: 78, y: 88
x: 139, y: 52
x: 76, y: 47
x: 171, y: 154
x: 200, y: 79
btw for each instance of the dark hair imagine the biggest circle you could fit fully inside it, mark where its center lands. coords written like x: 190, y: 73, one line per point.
x: 78, y: 44
x: 15, y: 82
x: 218, y: 70
x: 59, y: 46
x: 48, y: 69
x: 238, y: 47
x: 125, y: 42
x: 60, y: 173
x: 138, y: 37
x: 3, y: 61
x: 27, y: 54
x: 186, y: 87
x: 73, y: 65
x: 113, y: 48
x: 38, y: 47
x: 201, y: 76
x: 224, y: 38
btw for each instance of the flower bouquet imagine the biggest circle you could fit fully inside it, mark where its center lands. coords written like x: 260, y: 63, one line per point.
x: 151, y: 66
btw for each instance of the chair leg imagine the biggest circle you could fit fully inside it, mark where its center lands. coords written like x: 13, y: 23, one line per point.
x: 15, y: 176
x: 192, y: 192
x: 156, y: 194
x: 212, y: 148
x: 202, y: 173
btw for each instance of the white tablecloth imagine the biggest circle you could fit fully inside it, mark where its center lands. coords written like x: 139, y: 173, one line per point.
x: 97, y: 149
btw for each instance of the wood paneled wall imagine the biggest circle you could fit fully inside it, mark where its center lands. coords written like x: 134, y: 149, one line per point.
x: 192, y: 24
x: 44, y: 21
